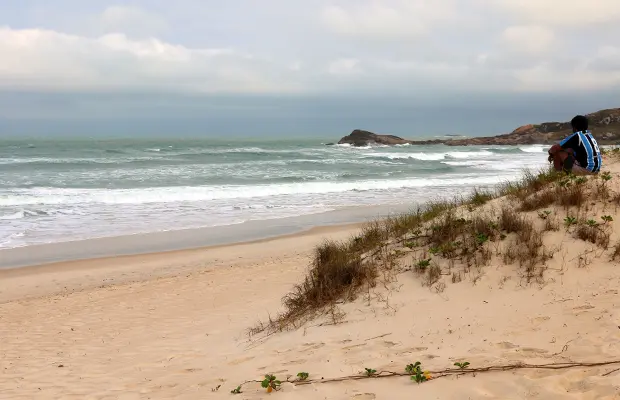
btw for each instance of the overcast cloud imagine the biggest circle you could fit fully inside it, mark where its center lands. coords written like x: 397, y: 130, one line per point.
x: 416, y: 49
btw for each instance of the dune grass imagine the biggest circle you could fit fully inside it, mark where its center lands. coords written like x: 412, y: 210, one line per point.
x: 453, y: 230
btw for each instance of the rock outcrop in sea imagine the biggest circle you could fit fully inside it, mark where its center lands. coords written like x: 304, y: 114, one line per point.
x: 605, y: 125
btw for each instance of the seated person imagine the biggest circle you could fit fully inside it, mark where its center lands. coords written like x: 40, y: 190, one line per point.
x: 579, y: 153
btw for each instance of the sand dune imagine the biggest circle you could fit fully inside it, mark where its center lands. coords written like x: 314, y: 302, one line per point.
x: 175, y: 326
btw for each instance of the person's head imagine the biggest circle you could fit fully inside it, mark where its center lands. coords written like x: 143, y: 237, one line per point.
x: 579, y: 123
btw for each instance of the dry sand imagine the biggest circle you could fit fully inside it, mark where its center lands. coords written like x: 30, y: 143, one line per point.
x: 173, y: 326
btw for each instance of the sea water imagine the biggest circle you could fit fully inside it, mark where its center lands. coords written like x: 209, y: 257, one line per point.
x: 64, y: 190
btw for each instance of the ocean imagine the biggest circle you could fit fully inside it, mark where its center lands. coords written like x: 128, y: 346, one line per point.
x: 64, y: 190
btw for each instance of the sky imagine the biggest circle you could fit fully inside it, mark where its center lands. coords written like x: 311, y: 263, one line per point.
x: 274, y: 67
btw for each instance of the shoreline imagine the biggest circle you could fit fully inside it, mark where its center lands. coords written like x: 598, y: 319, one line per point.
x: 64, y: 277
x: 190, y: 239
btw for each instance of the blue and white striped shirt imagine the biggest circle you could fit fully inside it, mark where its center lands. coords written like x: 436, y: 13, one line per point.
x: 586, y: 150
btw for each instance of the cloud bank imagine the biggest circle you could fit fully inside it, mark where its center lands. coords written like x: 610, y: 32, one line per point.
x: 406, y: 47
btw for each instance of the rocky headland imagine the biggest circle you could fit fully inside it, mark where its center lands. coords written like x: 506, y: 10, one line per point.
x: 605, y: 125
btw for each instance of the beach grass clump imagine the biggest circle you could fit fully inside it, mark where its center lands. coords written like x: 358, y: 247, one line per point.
x: 527, y: 247
x: 530, y: 183
x: 371, y: 236
x: 445, y: 230
x: 336, y: 273
x: 538, y: 201
x: 512, y: 222
x: 593, y: 232
x: 569, y: 191
x: 402, y: 224
x: 479, y: 197
x: 406, y: 223
x: 551, y: 224
x: 572, y: 196
x: 460, y: 238
x: 433, y: 275
x: 436, y: 208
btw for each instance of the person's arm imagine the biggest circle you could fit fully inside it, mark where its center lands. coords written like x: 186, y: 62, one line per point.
x: 562, y: 159
x: 571, y: 141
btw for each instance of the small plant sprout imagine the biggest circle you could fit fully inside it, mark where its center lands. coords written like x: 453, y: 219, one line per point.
x: 417, y: 375
x: 411, y: 368
x: 568, y: 221
x: 591, y: 222
x: 606, y: 176
x: 423, y: 264
x: 236, y: 390
x: 581, y: 180
x: 481, y: 239
x: 270, y: 383
x: 607, y: 218
x: 434, y: 250
x: 370, y: 371
x: 303, y: 376
x: 462, y: 365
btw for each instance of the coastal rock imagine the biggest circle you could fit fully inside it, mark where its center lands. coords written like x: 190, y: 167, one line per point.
x: 364, y: 138
x: 605, y: 125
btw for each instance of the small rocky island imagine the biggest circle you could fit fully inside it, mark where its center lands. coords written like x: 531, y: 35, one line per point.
x: 605, y: 126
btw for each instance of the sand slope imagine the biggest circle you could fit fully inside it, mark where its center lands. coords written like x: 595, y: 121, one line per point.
x: 179, y: 330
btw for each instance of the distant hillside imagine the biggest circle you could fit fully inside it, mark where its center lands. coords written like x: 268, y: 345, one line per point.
x: 605, y: 126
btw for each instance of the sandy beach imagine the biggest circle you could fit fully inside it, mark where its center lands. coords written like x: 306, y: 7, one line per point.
x: 175, y: 326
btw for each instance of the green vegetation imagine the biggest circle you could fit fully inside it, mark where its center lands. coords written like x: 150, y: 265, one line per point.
x: 417, y: 375
x: 449, y: 238
x: 270, y: 383
x: 569, y: 221
x: 422, y: 265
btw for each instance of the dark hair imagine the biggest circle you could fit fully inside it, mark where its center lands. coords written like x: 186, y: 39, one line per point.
x: 579, y: 123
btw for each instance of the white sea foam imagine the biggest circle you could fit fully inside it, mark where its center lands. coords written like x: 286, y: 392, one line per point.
x: 18, y: 215
x: 534, y: 149
x: 470, y: 154
x: 409, y: 156
x: 58, y: 196
x: 468, y: 163
x: 435, y: 156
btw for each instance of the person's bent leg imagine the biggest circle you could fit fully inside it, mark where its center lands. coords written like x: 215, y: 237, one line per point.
x: 579, y: 170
